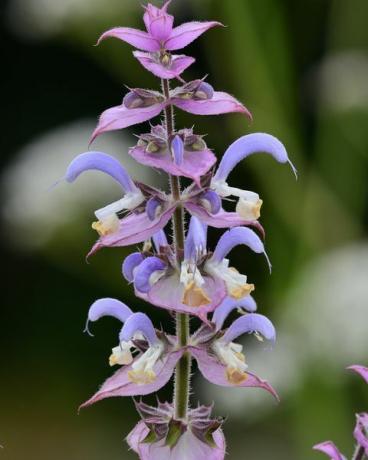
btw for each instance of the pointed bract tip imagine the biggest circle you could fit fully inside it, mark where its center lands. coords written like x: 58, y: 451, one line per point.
x: 295, y: 171
x: 86, y: 329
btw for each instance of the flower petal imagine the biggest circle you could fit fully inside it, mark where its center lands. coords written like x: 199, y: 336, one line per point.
x: 195, y: 163
x: 235, y: 237
x: 133, y: 229
x: 221, y: 219
x: 250, y: 323
x: 107, y: 307
x: 186, y: 33
x: 161, y: 27
x: 177, y: 149
x: 195, y: 240
x: 120, y: 117
x: 215, y: 372
x: 212, y: 201
x: 137, y: 38
x: 160, y: 240
x: 248, y: 145
x: 99, y: 161
x: 361, y: 370
x: 168, y: 293
x: 138, y: 322
x: 188, y: 447
x: 144, y: 272
x: 329, y: 448
x: 220, y: 103
x: 178, y: 64
x: 120, y: 385
x: 230, y: 304
x: 130, y: 263
x: 361, y: 431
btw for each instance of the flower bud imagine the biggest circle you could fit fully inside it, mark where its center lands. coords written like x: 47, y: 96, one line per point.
x: 132, y: 100
x: 152, y: 147
x: 204, y: 91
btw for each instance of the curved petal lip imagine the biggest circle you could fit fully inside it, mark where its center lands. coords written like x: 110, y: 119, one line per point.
x: 195, y: 164
x: 133, y: 229
x: 177, y: 67
x: 215, y: 372
x: 168, y: 292
x: 120, y: 385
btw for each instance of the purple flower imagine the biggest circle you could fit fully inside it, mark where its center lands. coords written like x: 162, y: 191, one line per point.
x: 138, y: 225
x: 108, y: 221
x: 161, y: 38
x: 219, y: 359
x: 202, y: 282
x: 139, y: 105
x: 186, y: 155
x: 154, y: 355
x: 249, y: 204
x: 159, y: 436
x: 329, y: 448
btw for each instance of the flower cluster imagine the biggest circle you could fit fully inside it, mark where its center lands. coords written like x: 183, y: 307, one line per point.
x: 360, y: 430
x: 182, y: 274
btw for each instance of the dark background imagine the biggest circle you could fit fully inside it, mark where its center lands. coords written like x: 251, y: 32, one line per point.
x: 301, y: 67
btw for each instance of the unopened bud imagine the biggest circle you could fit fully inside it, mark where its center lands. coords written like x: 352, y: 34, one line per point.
x: 141, y: 143
x: 165, y: 59
x: 152, y: 147
x: 132, y: 100
x: 199, y: 145
x: 204, y: 91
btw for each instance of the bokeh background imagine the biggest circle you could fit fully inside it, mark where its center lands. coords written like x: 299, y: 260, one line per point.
x: 301, y: 66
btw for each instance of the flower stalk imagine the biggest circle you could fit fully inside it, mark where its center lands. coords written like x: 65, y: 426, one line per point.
x: 182, y: 371
x: 181, y: 275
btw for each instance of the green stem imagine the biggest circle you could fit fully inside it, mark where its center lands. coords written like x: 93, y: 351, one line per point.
x: 182, y: 371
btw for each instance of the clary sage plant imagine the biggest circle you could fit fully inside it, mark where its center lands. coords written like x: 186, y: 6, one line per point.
x: 179, y: 273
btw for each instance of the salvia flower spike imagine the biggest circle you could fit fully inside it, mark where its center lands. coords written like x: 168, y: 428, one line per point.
x: 183, y: 273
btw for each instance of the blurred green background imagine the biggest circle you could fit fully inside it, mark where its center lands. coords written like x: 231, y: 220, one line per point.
x: 301, y: 67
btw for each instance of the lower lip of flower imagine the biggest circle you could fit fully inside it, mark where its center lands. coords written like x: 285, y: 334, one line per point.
x: 191, y: 278
x: 230, y: 354
x: 121, y: 354
x: 249, y: 210
x: 236, y: 283
x: 106, y: 226
x: 142, y: 371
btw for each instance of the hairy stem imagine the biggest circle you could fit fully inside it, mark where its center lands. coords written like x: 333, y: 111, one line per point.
x: 359, y: 453
x: 182, y: 372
